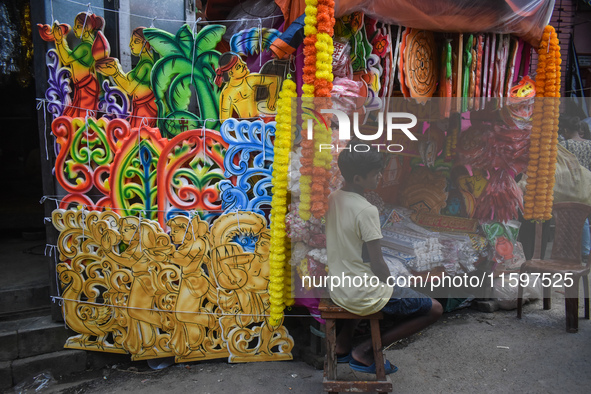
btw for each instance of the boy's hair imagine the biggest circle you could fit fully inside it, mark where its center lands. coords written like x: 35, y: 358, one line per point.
x: 352, y: 162
x: 569, y: 124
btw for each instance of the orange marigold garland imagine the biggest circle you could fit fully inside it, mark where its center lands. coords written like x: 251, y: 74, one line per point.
x: 539, y: 195
x: 553, y: 90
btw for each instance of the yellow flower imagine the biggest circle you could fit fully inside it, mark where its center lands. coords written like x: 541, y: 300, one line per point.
x: 277, y: 251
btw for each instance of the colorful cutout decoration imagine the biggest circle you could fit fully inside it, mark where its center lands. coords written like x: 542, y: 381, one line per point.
x: 80, y: 61
x: 128, y: 286
x: 190, y: 173
x: 253, y: 41
x: 198, y: 294
x: 135, y: 83
x: 249, y: 159
x: 186, y: 59
x: 239, y: 95
x: 420, y: 63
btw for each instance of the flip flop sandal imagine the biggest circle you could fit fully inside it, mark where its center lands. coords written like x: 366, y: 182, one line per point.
x: 357, y: 366
x: 344, y: 359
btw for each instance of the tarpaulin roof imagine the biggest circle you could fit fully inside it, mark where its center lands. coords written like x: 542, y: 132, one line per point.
x: 523, y: 18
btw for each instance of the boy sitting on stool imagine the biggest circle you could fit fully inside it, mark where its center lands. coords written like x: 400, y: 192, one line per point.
x: 353, y: 236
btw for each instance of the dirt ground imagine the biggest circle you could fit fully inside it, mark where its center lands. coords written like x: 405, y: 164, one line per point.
x: 465, y: 352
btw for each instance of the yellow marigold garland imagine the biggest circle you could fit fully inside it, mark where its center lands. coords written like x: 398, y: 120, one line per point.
x: 539, y: 195
x: 278, y: 249
x: 288, y: 293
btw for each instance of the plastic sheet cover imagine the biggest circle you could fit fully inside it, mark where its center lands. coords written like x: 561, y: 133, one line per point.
x: 524, y: 18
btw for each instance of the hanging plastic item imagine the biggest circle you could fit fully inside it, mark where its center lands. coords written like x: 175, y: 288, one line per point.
x: 501, y: 200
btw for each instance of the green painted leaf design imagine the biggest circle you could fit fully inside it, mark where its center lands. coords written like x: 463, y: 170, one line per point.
x: 180, y: 92
x: 184, y: 39
x: 209, y: 37
x: 162, y: 41
x: 163, y: 73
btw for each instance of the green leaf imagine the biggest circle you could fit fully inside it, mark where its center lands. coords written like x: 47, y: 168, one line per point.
x: 184, y: 38
x: 180, y: 92
x: 163, y: 73
x: 163, y: 42
x: 208, y: 38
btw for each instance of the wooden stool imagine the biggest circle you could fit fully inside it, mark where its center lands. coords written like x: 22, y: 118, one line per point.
x: 331, y: 312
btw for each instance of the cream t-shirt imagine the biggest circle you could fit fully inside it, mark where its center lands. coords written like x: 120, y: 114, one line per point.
x: 350, y: 221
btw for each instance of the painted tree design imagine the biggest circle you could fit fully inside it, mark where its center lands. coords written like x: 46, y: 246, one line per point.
x: 186, y: 59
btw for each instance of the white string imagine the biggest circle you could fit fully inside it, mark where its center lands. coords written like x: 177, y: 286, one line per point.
x: 193, y: 51
x: 57, y: 281
x: 187, y: 228
x: 260, y: 42
x: 83, y: 222
x: 41, y: 104
x: 61, y: 300
x: 52, y: 18
x: 396, y: 54
x: 263, y: 138
x: 143, y: 46
x: 60, y: 199
x: 133, y: 235
x: 84, y: 24
x: 51, y: 249
x: 152, y: 23
x: 203, y: 135
x: 139, y: 228
x: 147, y: 117
x: 139, y: 141
x: 88, y: 141
x: 192, y: 227
x: 204, y: 22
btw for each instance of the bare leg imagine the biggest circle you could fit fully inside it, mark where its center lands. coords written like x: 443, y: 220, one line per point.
x: 363, y: 353
x: 345, y: 337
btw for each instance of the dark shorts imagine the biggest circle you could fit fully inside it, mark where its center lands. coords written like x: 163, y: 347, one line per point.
x: 407, y: 302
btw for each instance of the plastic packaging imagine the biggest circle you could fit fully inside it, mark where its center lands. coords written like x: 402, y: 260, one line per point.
x: 341, y: 59
x: 503, y: 238
x: 506, y: 296
x: 37, y: 383
x: 345, y: 93
x: 524, y: 18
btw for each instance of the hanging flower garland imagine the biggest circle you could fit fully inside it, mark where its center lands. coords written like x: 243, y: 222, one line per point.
x: 278, y: 250
x: 552, y: 89
x: 288, y: 292
x: 318, y: 77
x: 307, y: 158
x: 539, y: 195
x: 323, y: 88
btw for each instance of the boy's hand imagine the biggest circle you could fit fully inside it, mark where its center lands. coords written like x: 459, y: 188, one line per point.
x: 376, y: 260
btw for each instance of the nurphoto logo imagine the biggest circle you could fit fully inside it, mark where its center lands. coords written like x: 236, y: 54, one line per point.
x: 344, y: 125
